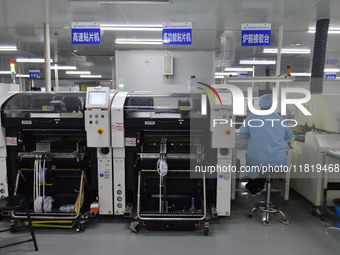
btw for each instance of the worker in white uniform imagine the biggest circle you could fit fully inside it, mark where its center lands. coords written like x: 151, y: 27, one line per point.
x: 266, y: 144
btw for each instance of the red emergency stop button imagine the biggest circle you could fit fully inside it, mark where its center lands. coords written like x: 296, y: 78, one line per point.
x: 100, y: 131
x: 227, y: 131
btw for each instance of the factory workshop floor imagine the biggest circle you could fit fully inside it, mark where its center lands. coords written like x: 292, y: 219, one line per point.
x: 234, y: 235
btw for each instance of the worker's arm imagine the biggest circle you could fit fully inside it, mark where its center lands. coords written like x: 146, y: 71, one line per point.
x: 288, y: 134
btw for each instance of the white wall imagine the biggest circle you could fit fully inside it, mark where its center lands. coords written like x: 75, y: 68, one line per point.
x: 142, y: 70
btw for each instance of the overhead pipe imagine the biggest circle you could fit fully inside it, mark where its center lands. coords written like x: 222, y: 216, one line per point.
x: 319, y: 56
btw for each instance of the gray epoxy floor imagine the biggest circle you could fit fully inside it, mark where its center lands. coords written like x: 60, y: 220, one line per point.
x: 233, y: 235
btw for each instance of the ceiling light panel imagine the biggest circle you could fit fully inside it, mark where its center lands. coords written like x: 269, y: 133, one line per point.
x: 125, y: 1
x: 22, y: 76
x: 78, y: 72
x: 5, y: 72
x: 287, y: 51
x: 139, y: 41
x: 131, y: 27
x: 301, y: 74
x: 64, y: 67
x: 31, y: 60
x: 90, y: 76
x: 8, y: 48
x: 239, y: 69
x: 257, y: 62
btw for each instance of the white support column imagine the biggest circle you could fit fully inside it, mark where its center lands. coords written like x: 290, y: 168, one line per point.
x: 47, y: 57
x: 56, y: 71
x: 113, y: 70
x: 278, y: 60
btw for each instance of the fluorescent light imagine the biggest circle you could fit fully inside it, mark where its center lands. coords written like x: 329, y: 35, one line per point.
x: 8, y: 48
x: 288, y: 51
x: 331, y: 30
x: 219, y: 76
x: 226, y: 74
x: 22, y: 75
x: 326, y: 70
x: 301, y: 74
x: 90, y: 76
x: 131, y: 1
x: 259, y: 79
x: 78, y: 72
x: 139, y: 41
x: 239, y: 69
x: 131, y: 27
x: 64, y: 67
x: 257, y: 62
x: 31, y: 60
x: 5, y: 72
x: 331, y: 70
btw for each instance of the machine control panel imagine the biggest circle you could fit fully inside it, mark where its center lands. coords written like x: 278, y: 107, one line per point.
x: 97, y: 125
x: 222, y: 128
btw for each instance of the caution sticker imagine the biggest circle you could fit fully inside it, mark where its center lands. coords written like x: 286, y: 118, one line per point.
x: 118, y: 127
x: 130, y: 141
x: 11, y: 141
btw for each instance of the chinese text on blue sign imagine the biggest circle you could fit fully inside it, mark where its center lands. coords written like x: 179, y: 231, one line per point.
x: 177, y: 33
x: 256, y: 34
x: 34, y: 74
x: 85, y: 33
x: 330, y: 76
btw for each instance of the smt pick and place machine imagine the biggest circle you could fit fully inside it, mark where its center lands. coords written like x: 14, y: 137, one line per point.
x: 158, y: 141
x: 44, y: 155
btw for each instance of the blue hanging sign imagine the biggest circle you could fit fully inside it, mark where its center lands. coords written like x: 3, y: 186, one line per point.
x: 34, y: 74
x: 85, y: 33
x: 256, y: 34
x: 177, y: 33
x: 330, y: 76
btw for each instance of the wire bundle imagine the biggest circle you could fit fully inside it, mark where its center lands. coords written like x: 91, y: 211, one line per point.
x: 42, y: 203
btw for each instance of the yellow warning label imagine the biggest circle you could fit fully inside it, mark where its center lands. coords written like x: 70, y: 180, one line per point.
x: 74, y: 112
x: 110, y: 212
x: 181, y: 108
x: 117, y: 212
x: 227, y: 213
x: 79, y: 112
x: 44, y: 108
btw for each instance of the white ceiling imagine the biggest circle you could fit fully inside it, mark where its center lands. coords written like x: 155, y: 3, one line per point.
x: 216, y: 26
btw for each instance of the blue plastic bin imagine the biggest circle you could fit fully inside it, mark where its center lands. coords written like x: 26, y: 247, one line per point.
x: 337, y: 211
